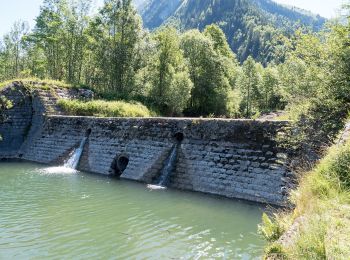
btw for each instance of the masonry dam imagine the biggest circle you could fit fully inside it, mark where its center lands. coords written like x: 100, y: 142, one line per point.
x: 232, y: 158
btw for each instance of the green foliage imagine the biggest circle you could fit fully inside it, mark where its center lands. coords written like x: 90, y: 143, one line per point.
x: 103, y: 108
x: 336, y: 166
x: 114, y: 34
x: 249, y: 84
x: 220, y: 44
x: 212, y: 74
x: 11, y: 50
x: 275, y: 251
x: 192, y: 73
x: 40, y: 83
x: 4, y: 105
x: 269, y: 229
x: 59, y: 40
x: 321, y: 211
x: 253, y: 28
x: 167, y: 74
x: 315, y: 83
x: 271, y: 98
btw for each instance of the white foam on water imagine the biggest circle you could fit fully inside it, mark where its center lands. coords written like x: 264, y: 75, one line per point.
x: 70, y: 165
x: 57, y: 171
x: 155, y: 187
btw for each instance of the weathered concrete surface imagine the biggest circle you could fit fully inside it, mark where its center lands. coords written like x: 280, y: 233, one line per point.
x: 25, y: 119
x: 231, y: 158
x: 18, y: 120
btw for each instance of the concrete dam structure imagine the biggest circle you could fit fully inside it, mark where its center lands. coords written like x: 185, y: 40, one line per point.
x: 231, y: 158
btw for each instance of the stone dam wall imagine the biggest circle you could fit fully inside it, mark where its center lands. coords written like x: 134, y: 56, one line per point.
x: 232, y: 158
x: 25, y: 119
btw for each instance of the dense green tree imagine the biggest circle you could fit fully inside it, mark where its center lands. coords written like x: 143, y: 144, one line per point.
x: 269, y: 87
x: 167, y: 74
x: 47, y: 35
x: 76, y: 21
x: 60, y: 36
x: 210, y: 75
x: 249, y: 82
x: 315, y: 83
x: 220, y: 44
x: 12, y: 52
x: 116, y: 33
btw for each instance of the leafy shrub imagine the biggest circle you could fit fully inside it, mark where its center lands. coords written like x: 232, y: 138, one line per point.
x: 275, y: 251
x: 335, y: 168
x: 103, y: 108
x: 270, y: 229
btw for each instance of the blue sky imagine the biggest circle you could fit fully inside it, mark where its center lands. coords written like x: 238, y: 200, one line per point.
x: 326, y: 8
x: 27, y: 10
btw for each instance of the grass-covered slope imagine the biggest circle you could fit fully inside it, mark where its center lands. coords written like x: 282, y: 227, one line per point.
x: 78, y: 107
x: 319, y: 226
x: 101, y: 108
x: 39, y: 83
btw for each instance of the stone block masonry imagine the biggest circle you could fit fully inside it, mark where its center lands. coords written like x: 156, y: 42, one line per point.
x: 31, y: 102
x: 235, y: 159
x: 232, y: 158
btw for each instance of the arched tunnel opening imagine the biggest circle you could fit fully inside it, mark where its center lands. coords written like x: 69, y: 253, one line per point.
x: 119, y: 165
x: 122, y: 163
x: 179, y: 137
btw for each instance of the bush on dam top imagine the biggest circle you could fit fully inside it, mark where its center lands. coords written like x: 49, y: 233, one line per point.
x: 80, y: 107
x: 44, y: 84
x: 102, y: 108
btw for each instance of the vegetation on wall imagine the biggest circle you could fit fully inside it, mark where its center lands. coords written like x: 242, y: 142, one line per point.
x: 4, y: 105
x: 102, y: 108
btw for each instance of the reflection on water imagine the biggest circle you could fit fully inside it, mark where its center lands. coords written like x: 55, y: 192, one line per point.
x: 50, y: 213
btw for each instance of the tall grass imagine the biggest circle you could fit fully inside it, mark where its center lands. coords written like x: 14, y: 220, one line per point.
x: 322, y: 208
x: 101, y: 108
x: 40, y: 83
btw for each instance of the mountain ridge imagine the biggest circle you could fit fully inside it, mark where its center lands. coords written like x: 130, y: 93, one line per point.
x: 250, y: 25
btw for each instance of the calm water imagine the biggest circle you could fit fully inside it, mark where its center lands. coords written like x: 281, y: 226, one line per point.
x: 44, y: 214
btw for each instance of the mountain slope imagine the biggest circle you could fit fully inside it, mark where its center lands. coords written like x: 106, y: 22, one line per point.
x: 251, y: 26
x: 155, y: 12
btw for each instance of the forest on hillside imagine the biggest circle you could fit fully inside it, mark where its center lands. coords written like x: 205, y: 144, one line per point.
x: 253, y: 27
x: 189, y: 73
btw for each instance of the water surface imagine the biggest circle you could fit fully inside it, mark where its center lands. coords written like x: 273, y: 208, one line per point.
x: 47, y: 214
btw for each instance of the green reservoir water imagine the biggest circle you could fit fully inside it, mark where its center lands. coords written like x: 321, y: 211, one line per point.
x: 45, y: 214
